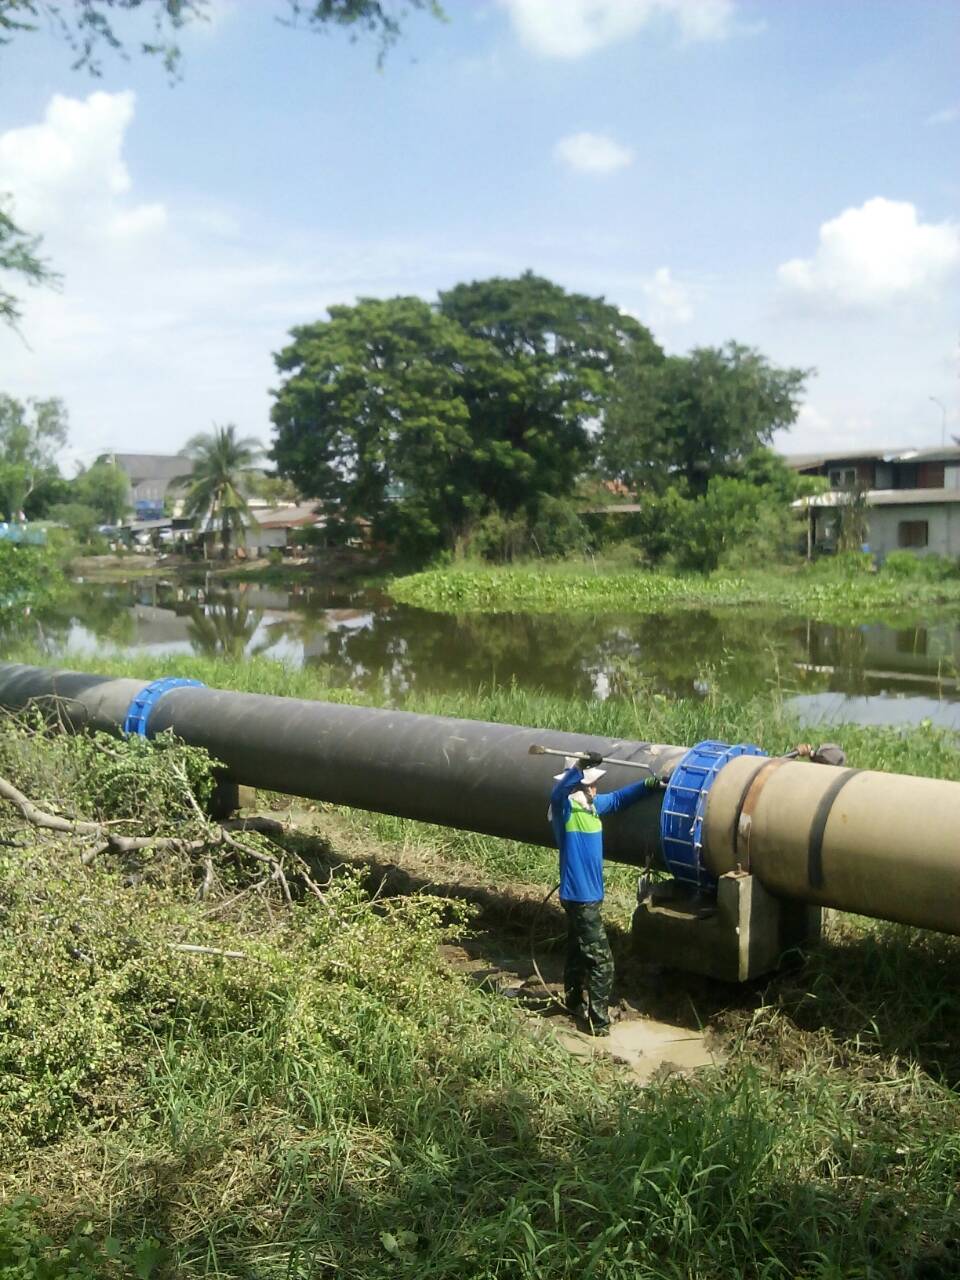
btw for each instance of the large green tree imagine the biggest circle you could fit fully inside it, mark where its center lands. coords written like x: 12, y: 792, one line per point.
x: 567, y: 348
x: 32, y: 433
x: 691, y: 418
x: 218, y: 482
x: 423, y: 418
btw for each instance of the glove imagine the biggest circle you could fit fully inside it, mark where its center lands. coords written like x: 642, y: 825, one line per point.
x: 590, y: 760
x: 653, y: 783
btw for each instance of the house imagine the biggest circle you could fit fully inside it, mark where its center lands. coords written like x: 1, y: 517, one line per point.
x: 911, y: 498
x: 150, y: 476
x: 274, y: 526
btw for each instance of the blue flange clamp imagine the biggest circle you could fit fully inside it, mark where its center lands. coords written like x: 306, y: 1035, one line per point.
x: 684, y: 806
x: 140, y: 709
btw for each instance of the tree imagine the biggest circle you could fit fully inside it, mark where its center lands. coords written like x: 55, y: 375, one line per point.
x: 87, y: 27
x: 219, y: 481
x: 31, y: 434
x: 568, y: 348
x: 424, y: 419
x: 273, y: 489
x: 18, y: 256
x: 106, y: 489
x: 694, y: 417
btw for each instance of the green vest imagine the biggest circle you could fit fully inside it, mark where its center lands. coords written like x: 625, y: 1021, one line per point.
x: 582, y: 819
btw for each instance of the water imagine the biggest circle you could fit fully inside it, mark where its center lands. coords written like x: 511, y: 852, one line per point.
x: 361, y: 638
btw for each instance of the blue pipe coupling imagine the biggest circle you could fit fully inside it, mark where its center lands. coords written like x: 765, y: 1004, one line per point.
x: 137, y: 719
x: 684, y: 806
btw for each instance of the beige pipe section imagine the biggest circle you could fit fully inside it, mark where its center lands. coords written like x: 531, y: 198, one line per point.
x: 879, y: 844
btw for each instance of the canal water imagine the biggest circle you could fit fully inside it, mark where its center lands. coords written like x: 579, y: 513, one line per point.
x: 359, y: 637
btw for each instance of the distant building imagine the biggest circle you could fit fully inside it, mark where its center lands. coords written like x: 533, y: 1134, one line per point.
x: 912, y: 498
x: 282, y: 527
x: 150, y: 476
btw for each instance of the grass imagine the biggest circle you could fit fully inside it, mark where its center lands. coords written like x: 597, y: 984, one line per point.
x: 340, y: 1102
x: 823, y: 591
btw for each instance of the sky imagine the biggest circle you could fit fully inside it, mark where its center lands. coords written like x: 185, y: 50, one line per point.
x: 785, y: 173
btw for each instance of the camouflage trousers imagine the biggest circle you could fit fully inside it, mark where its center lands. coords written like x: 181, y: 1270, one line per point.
x: 589, y: 965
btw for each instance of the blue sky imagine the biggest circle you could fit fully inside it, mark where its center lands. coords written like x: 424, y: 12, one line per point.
x: 785, y: 174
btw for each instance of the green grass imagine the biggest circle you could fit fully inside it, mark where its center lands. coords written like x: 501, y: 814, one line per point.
x: 339, y: 1102
x: 823, y: 591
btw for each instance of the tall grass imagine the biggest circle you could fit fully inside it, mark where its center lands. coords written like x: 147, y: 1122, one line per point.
x: 340, y: 1102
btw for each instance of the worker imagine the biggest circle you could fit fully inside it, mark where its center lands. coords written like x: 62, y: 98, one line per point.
x: 575, y: 812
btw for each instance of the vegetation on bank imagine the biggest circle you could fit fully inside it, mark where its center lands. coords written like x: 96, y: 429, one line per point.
x: 337, y: 1098
x: 30, y: 576
x: 842, y: 590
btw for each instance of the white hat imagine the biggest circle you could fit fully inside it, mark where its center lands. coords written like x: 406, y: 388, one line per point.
x: 590, y: 776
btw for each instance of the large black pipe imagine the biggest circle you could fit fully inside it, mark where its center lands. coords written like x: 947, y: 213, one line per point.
x: 456, y: 773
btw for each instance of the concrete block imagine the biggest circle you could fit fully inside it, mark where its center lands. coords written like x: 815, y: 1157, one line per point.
x: 740, y: 934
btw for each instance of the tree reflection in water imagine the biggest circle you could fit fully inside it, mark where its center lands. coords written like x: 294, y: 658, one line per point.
x: 223, y: 626
x: 359, y: 637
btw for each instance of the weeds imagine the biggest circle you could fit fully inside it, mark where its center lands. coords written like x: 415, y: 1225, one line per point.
x: 340, y: 1102
x: 825, y: 592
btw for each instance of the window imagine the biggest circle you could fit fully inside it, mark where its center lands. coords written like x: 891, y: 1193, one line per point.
x: 843, y: 477
x: 912, y: 533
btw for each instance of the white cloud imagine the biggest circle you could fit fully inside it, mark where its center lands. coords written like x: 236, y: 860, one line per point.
x: 669, y: 301
x: 572, y: 28
x: 874, y: 255
x: 949, y: 115
x: 67, y: 175
x: 592, y: 153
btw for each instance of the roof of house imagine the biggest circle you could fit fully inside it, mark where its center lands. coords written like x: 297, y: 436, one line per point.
x: 881, y: 498
x: 152, y: 466
x: 289, y: 517
x: 941, y: 453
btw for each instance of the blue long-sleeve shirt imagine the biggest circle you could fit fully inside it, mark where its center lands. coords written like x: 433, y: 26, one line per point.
x: 579, y: 834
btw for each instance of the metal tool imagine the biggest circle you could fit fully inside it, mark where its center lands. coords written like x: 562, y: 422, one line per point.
x: 537, y: 750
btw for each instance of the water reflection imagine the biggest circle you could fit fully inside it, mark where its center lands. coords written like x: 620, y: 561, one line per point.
x: 361, y: 638
x: 223, y: 627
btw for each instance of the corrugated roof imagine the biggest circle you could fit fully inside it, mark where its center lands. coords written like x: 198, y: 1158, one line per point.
x: 288, y: 517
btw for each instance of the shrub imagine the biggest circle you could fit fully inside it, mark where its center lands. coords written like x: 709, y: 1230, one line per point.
x: 906, y: 564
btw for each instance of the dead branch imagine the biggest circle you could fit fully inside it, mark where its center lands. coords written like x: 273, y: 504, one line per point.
x: 47, y: 821
x: 111, y: 842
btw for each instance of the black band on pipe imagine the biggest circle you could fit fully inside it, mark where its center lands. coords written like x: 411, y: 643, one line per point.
x: 819, y: 825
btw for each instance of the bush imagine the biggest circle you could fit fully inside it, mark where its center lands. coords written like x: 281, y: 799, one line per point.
x: 499, y: 538
x: 557, y: 529
x: 906, y: 564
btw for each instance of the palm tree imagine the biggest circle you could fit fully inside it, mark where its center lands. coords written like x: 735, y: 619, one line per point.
x: 218, y: 483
